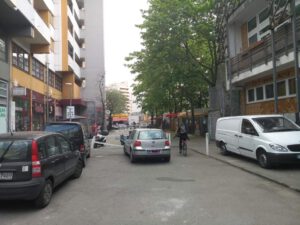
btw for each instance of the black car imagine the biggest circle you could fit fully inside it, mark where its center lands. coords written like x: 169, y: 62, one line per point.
x: 75, y: 132
x: 32, y: 164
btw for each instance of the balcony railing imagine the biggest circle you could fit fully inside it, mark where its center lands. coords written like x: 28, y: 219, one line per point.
x: 261, y: 52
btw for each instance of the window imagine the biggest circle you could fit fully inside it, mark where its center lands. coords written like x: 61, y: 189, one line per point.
x: 64, y: 145
x: 269, y: 91
x: 51, y: 78
x: 253, y: 39
x: 251, y: 95
x: 58, y: 83
x: 3, y: 50
x: 52, y: 147
x: 42, y: 149
x: 281, y: 90
x: 247, y: 128
x: 259, y: 93
x: 17, y: 151
x: 252, y: 24
x: 3, y: 89
x: 38, y: 69
x: 20, y: 58
x: 263, y: 15
x: 292, y: 86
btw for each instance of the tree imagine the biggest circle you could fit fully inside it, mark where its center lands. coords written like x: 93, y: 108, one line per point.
x: 179, y: 59
x: 115, y: 101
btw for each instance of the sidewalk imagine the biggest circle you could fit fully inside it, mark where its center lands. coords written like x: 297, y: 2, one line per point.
x: 285, y: 175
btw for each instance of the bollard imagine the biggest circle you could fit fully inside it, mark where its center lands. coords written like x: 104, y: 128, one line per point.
x: 169, y: 134
x: 92, y: 143
x: 207, y: 143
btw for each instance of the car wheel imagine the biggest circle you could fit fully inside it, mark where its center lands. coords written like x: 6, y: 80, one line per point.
x: 132, y: 158
x: 45, y: 196
x: 223, y: 149
x: 78, y: 170
x: 263, y: 160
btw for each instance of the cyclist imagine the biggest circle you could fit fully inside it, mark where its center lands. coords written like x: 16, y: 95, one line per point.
x: 182, y: 134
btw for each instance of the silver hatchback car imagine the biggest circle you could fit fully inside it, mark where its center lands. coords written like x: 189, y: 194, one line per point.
x: 147, y: 143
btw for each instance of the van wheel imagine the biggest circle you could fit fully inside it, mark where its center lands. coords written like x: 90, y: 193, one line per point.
x: 263, y: 160
x: 78, y: 170
x: 223, y: 149
x: 45, y: 196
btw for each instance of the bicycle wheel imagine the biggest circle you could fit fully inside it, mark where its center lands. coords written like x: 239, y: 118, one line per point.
x: 184, y: 149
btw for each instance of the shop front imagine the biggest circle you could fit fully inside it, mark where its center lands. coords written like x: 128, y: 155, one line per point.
x: 38, y: 109
x: 22, y: 109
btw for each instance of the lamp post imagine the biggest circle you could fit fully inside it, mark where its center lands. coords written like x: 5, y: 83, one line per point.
x: 70, y: 84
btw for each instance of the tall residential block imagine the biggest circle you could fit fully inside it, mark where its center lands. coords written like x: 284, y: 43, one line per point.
x: 41, y: 62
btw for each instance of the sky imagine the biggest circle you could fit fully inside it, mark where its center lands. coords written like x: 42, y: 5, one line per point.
x: 121, y: 37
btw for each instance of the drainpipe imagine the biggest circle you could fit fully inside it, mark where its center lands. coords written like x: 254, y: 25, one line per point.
x: 296, y: 59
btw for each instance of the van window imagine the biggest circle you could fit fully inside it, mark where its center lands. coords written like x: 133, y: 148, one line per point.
x: 276, y: 124
x: 248, y: 128
x: 69, y: 130
x: 14, y: 151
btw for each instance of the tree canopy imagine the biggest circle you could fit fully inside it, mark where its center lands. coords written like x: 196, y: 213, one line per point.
x: 115, y: 101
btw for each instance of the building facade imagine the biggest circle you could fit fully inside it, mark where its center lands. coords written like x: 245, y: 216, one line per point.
x: 41, y: 62
x: 125, y: 90
x: 265, y: 86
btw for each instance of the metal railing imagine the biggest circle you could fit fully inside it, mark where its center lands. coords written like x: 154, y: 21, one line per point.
x: 261, y: 52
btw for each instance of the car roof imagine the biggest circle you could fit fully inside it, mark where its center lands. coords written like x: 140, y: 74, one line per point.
x: 64, y: 122
x: 28, y: 135
x: 253, y: 116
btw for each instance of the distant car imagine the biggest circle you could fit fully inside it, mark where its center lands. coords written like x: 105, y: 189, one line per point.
x: 75, y: 132
x: 32, y: 164
x: 147, y: 143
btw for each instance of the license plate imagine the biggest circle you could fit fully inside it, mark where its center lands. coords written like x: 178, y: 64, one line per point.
x: 6, y: 175
x: 155, y: 151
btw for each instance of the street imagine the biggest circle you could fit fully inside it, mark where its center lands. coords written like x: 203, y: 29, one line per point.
x: 188, y: 190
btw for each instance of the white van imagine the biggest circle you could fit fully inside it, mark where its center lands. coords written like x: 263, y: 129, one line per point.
x: 271, y: 139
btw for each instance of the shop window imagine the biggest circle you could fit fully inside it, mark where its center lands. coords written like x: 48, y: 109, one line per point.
x: 292, y: 86
x: 20, y: 58
x: 251, y: 95
x: 259, y: 93
x: 3, y: 89
x: 281, y: 89
x: 269, y: 91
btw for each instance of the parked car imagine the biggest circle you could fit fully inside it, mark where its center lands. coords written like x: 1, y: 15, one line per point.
x: 147, y: 143
x: 32, y: 164
x: 75, y: 132
x: 270, y: 139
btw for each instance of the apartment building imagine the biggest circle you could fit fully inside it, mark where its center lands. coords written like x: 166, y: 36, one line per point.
x: 41, y: 62
x: 250, y: 65
x: 124, y: 89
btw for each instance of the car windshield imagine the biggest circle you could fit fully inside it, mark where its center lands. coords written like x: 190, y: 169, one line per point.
x: 13, y: 150
x: 276, y: 124
x: 69, y: 130
x: 151, y: 135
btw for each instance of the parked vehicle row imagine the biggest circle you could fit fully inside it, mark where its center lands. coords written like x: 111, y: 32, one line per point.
x: 270, y: 139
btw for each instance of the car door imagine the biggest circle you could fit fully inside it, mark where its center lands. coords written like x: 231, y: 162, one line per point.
x: 247, y: 139
x: 71, y: 158
x: 56, y: 160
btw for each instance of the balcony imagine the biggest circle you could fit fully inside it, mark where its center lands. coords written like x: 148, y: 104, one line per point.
x: 22, y: 20
x: 260, y: 54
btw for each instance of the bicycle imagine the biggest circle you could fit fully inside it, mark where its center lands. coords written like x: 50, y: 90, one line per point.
x: 183, y: 150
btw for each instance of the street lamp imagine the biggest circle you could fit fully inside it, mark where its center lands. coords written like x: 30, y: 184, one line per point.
x: 70, y: 84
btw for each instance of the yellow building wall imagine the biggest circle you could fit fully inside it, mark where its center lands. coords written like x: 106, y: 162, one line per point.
x: 64, y: 24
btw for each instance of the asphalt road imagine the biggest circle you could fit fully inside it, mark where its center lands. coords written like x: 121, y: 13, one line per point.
x: 188, y: 190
